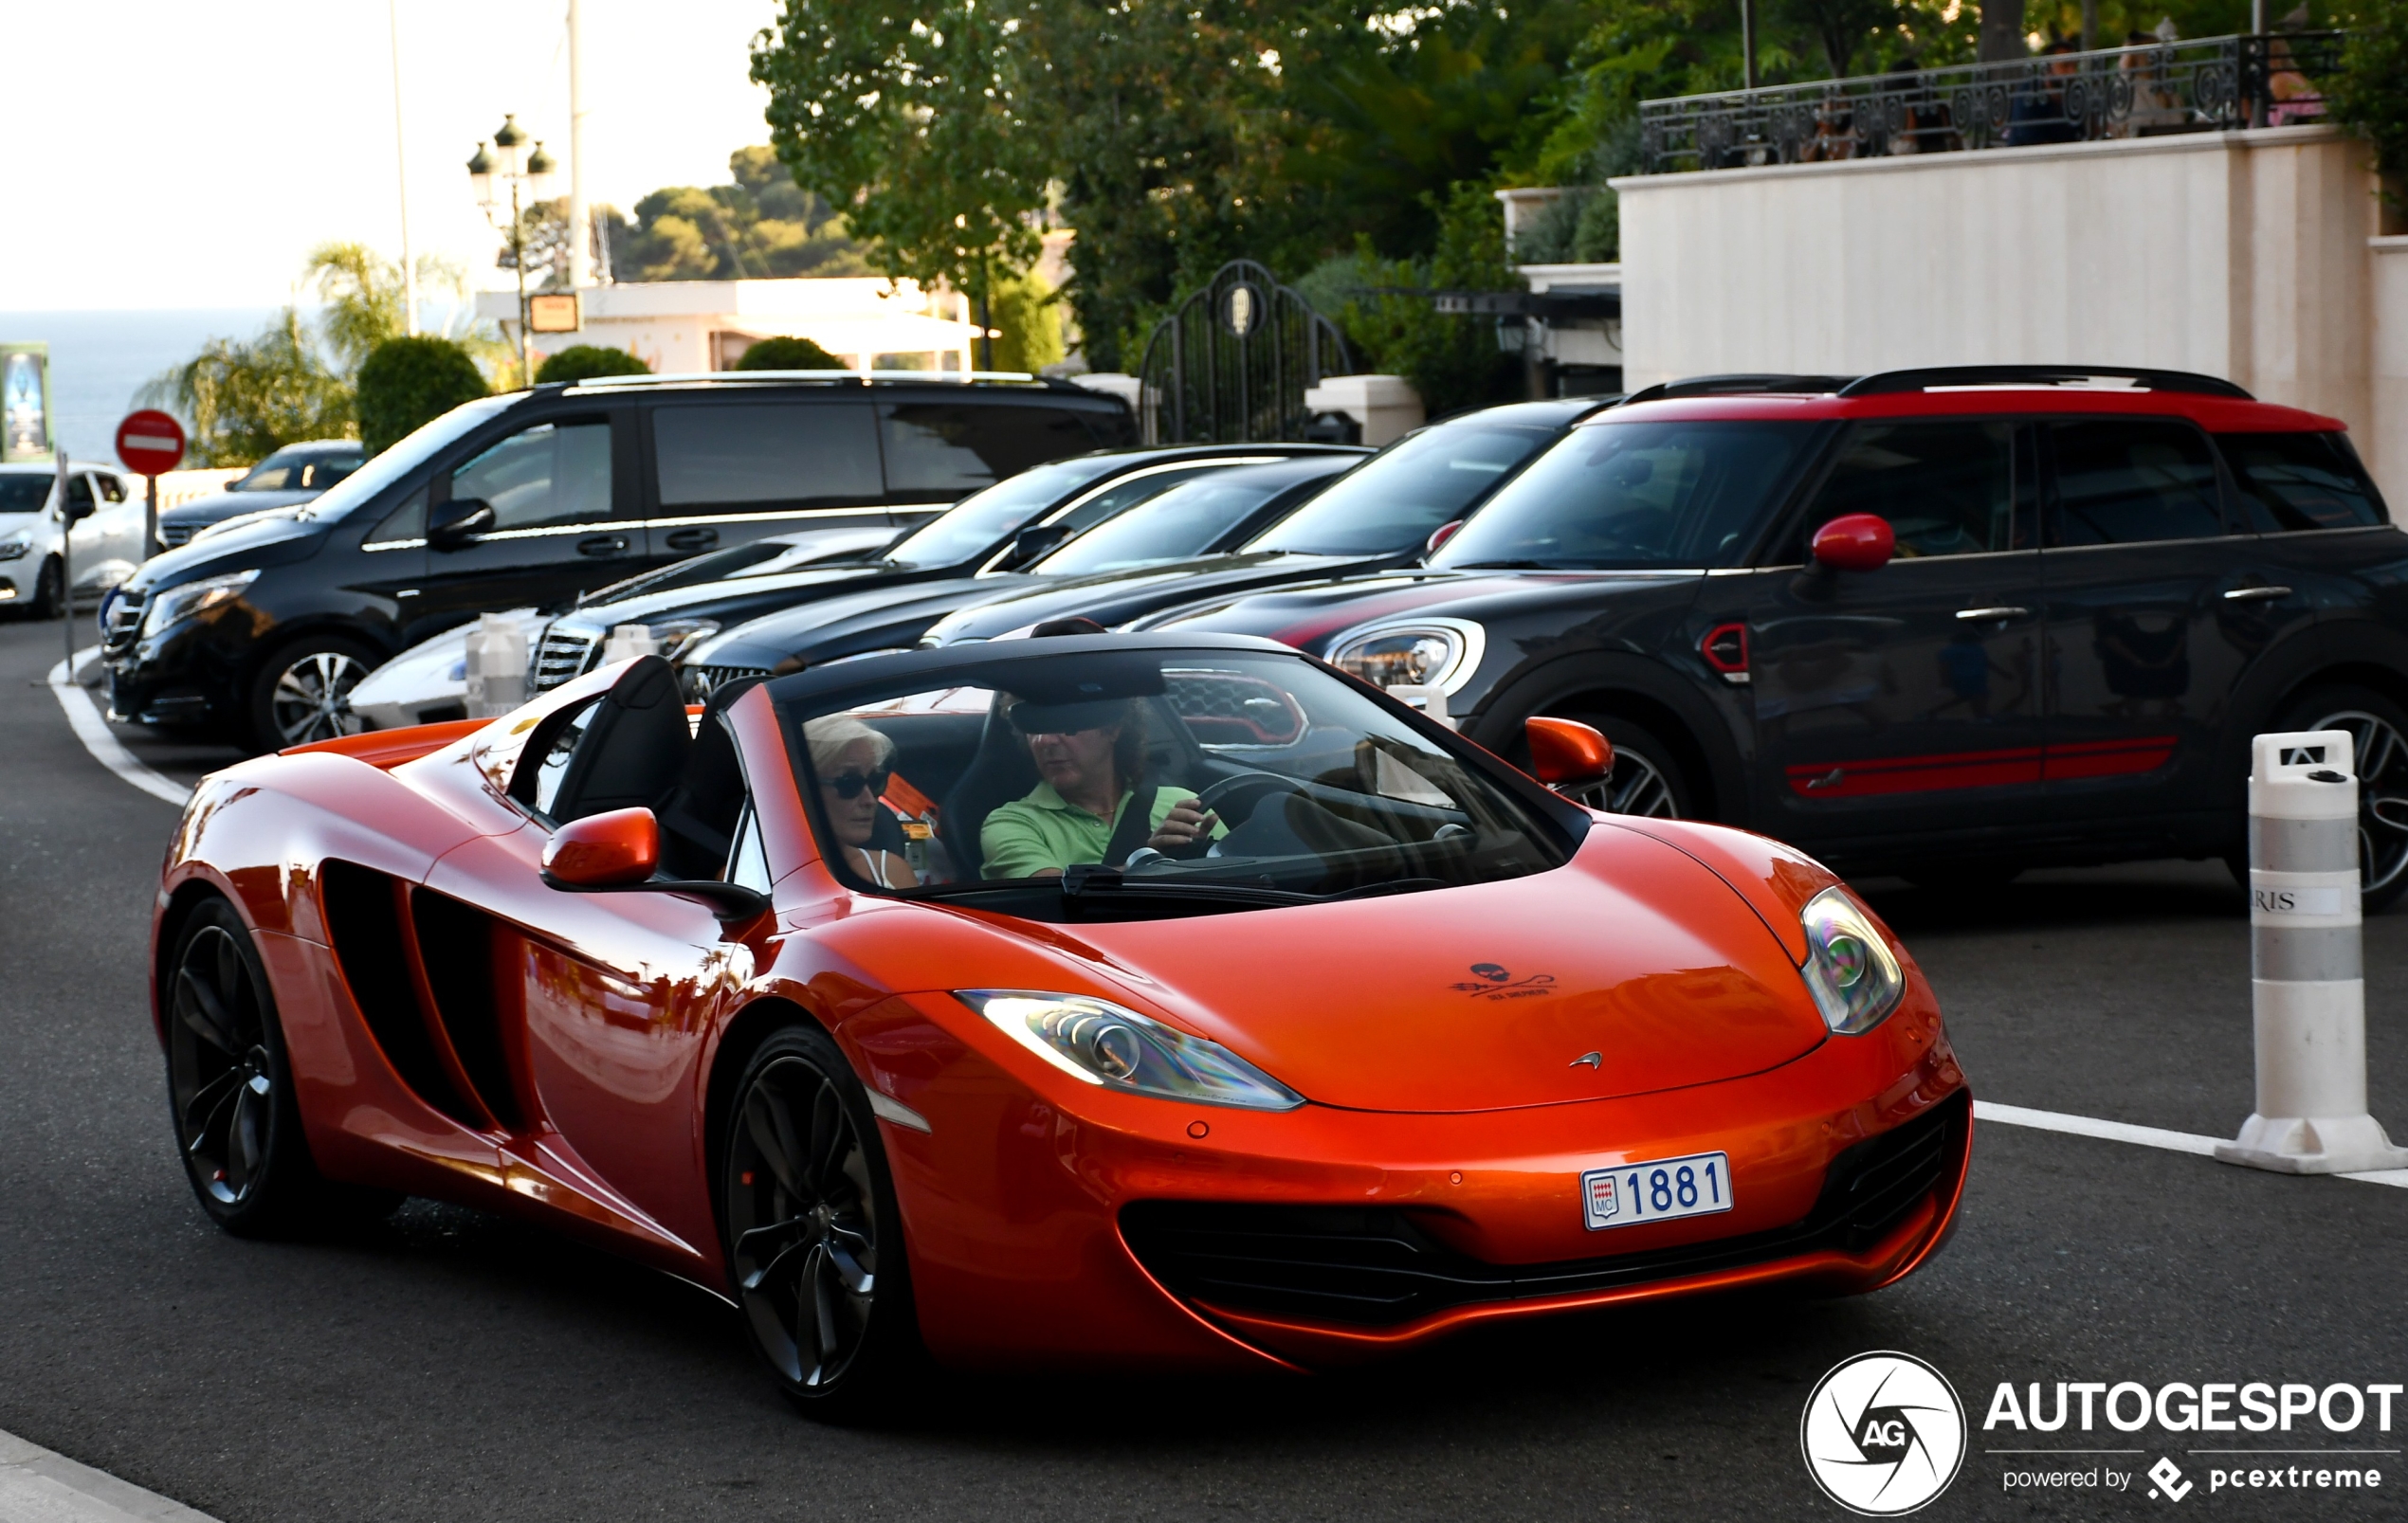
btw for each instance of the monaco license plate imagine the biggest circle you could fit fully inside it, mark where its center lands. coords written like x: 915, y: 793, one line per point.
x: 1629, y: 1194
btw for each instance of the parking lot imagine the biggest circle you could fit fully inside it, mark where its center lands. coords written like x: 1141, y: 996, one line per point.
x: 448, y: 1364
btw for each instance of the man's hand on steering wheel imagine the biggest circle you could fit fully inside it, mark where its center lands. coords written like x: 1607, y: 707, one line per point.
x: 1186, y: 825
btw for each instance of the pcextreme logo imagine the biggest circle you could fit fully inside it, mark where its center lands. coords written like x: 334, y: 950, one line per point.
x: 1883, y: 1434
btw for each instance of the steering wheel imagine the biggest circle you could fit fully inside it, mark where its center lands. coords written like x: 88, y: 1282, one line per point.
x: 1234, y: 798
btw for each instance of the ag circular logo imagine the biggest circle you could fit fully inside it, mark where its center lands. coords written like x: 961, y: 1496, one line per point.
x: 1883, y: 1434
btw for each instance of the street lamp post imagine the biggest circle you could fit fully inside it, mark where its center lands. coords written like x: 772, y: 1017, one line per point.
x: 499, y: 159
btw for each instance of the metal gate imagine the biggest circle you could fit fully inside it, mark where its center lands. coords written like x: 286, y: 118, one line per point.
x: 1232, y: 362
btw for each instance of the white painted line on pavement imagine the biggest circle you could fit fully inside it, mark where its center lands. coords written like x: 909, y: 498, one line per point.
x: 106, y: 748
x: 2085, y: 1126
x: 37, y: 1486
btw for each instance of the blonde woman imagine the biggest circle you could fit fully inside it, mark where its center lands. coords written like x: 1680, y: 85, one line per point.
x: 851, y: 763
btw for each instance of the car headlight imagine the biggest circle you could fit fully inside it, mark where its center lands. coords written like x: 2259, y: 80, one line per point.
x: 673, y: 637
x: 1098, y: 1042
x: 180, y: 603
x: 1440, y: 653
x: 1849, y: 969
x: 15, y: 547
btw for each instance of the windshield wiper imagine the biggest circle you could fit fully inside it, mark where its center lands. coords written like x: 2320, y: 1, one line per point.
x: 1394, y: 885
x: 1502, y: 566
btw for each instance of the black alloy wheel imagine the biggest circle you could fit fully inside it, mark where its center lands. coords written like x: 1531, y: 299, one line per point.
x: 813, y: 1239
x: 237, y: 1125
x: 2378, y: 734
x: 304, y: 692
x: 1647, y: 779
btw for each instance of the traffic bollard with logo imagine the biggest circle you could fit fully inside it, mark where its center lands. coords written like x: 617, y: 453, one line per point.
x: 2307, y: 983
x: 496, y: 666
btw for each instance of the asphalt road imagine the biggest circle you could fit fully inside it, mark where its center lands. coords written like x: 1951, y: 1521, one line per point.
x: 451, y: 1366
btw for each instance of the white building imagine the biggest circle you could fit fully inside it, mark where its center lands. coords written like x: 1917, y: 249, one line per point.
x: 683, y: 327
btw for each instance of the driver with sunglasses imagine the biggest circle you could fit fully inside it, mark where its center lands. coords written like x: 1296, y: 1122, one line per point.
x: 853, y: 763
x: 1090, y: 761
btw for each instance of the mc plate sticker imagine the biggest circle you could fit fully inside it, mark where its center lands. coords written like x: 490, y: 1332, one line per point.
x: 1629, y: 1194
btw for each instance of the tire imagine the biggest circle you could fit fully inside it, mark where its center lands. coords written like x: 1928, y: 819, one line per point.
x: 2378, y: 727
x: 1648, y: 778
x: 231, y: 1094
x: 45, y: 591
x: 813, y: 1239
x: 302, y: 692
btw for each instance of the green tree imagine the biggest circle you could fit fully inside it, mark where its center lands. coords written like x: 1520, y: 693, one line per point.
x: 786, y: 353
x: 245, y: 399
x: 580, y: 362
x: 2370, y: 93
x: 406, y: 382
x: 1027, y: 311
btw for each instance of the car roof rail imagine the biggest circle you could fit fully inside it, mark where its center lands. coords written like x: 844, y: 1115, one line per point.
x: 1736, y: 385
x: 822, y: 377
x: 1938, y: 376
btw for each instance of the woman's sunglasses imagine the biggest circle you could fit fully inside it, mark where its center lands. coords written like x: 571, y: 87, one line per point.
x: 851, y: 784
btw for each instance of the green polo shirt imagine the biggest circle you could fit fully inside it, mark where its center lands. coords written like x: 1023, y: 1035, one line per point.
x: 1027, y: 836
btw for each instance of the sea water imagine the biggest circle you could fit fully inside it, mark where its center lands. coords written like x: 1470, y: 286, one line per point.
x: 101, y: 361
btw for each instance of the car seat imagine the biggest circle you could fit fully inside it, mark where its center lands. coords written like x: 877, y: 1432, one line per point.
x: 634, y: 748
x: 999, y: 772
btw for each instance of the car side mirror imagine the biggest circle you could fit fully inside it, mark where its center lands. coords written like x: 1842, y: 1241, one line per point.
x: 1035, y: 540
x: 615, y: 849
x: 619, y: 852
x: 1854, y: 542
x: 75, y: 510
x: 1567, y: 754
x: 452, y: 524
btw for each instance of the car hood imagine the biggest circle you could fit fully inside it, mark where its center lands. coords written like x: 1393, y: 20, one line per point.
x: 218, y: 505
x: 1486, y: 997
x: 854, y: 622
x: 277, y: 539
x: 1112, y: 598
x: 743, y: 597
x: 1310, y: 618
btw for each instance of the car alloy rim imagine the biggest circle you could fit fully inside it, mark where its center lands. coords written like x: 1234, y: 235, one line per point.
x: 1636, y: 786
x: 2382, y: 795
x: 218, y: 1067
x: 313, y: 697
x: 804, y: 1223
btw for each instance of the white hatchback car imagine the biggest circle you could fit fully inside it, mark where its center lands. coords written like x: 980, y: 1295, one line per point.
x: 107, y: 545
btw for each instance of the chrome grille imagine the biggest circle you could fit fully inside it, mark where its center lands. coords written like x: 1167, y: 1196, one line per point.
x: 564, y: 653
x: 172, y: 535
x: 124, y: 622
x: 699, y: 681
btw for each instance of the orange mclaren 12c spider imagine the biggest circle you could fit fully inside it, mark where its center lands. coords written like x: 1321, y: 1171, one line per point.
x: 1081, y: 1000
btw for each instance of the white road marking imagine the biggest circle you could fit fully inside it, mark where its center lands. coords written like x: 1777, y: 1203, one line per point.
x: 106, y: 749
x: 2085, y: 1126
x: 37, y: 1486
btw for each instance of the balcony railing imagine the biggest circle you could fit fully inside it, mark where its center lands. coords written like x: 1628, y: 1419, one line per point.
x: 2210, y: 84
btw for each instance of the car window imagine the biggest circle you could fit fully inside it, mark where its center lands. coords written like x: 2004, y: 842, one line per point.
x: 323, y: 472
x: 2133, y: 481
x: 553, y: 766
x: 404, y: 525
x: 972, y: 525
x: 998, y: 777
x: 951, y: 447
x: 24, y: 491
x: 548, y: 475
x: 733, y: 457
x: 79, y: 491
x: 1944, y: 489
x: 1394, y: 499
x: 1636, y: 495
x: 268, y: 476
x: 111, y: 488
x: 1179, y: 522
x: 2310, y: 480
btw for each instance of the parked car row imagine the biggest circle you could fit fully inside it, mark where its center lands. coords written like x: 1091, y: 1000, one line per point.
x: 37, y: 549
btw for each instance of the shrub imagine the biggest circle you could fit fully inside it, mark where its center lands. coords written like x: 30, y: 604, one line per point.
x: 1024, y: 311
x: 580, y: 362
x: 787, y: 355
x: 2367, y: 95
x: 406, y: 382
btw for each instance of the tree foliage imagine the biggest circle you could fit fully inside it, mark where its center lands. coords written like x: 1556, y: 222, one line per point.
x: 2371, y: 94
x: 581, y: 362
x: 1026, y: 312
x: 243, y: 399
x: 406, y: 382
x: 786, y: 353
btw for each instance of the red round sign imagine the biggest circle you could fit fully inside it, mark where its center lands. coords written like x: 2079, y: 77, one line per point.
x: 150, y: 444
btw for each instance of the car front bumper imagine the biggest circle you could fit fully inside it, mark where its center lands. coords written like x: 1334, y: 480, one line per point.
x: 1104, y: 1229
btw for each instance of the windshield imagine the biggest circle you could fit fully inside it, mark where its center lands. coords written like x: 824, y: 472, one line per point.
x: 1636, y: 495
x: 1394, y: 500
x: 405, y: 456
x: 972, y: 526
x: 25, y: 491
x: 1116, y: 781
x: 1183, y: 522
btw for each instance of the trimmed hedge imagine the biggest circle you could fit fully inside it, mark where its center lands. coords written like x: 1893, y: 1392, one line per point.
x: 582, y: 362
x: 787, y: 355
x: 406, y: 382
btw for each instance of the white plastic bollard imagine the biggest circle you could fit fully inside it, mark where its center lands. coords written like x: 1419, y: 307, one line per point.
x: 2308, y: 979
x: 627, y: 642
x: 496, y: 666
x: 1432, y: 702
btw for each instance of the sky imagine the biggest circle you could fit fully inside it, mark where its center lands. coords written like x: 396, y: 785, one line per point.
x: 161, y: 153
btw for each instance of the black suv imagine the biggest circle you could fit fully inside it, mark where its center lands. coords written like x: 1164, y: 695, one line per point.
x: 1954, y: 623
x: 263, y: 627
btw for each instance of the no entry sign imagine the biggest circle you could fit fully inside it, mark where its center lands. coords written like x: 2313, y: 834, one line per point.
x: 150, y: 444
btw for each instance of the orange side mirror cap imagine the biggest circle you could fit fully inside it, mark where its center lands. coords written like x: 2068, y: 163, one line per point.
x: 1567, y: 754
x: 607, y: 851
